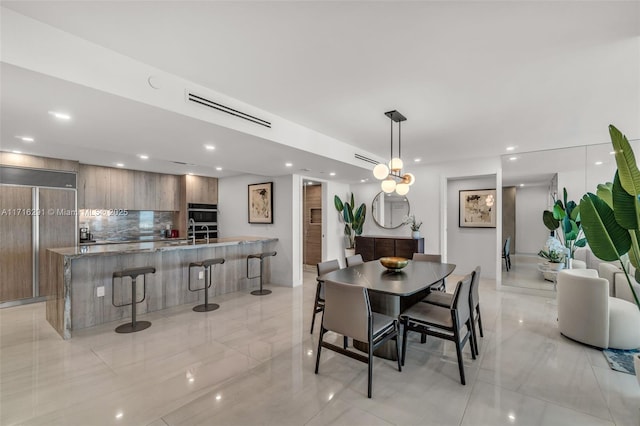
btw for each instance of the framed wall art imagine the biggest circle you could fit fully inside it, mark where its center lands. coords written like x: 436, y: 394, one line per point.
x: 261, y: 202
x: 477, y: 208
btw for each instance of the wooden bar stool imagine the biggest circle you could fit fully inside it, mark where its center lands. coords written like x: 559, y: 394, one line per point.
x: 261, y: 257
x: 133, y: 273
x: 206, y: 264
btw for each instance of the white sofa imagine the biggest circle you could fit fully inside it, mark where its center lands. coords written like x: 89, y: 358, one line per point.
x: 587, y: 314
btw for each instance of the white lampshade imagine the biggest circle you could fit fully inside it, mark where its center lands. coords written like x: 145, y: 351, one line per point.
x: 395, y: 164
x: 380, y: 171
x: 408, y: 178
x: 388, y: 185
x: 402, y: 188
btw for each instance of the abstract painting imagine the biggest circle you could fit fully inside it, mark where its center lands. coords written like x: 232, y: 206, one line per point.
x: 478, y: 208
x: 261, y: 202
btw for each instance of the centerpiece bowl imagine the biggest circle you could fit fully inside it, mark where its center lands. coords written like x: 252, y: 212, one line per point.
x: 394, y: 263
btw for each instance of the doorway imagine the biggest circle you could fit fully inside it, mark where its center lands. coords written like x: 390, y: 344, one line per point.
x: 312, y: 224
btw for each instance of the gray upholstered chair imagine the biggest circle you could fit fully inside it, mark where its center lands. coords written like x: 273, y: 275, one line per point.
x: 424, y: 257
x: 347, y: 311
x: 443, y: 299
x: 323, y: 268
x: 451, y: 323
x: 356, y: 259
x: 587, y: 314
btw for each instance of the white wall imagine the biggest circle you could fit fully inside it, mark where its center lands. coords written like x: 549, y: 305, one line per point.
x: 286, y: 267
x: 531, y: 233
x: 470, y: 247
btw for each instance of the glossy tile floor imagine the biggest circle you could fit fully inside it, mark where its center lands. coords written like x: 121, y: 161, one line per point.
x: 251, y: 363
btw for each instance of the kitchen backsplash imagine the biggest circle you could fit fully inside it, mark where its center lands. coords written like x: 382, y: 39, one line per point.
x: 117, y: 225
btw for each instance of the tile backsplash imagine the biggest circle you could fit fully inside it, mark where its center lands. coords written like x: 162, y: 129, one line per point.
x: 114, y: 225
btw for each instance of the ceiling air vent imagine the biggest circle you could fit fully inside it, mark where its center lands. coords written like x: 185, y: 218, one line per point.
x: 367, y: 159
x: 191, y: 97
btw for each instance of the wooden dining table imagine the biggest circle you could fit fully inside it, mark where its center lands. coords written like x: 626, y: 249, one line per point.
x: 392, y: 292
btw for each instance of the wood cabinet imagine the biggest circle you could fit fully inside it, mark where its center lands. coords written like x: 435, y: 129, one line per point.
x: 113, y: 188
x: 93, y: 187
x: 200, y: 189
x: 372, y: 248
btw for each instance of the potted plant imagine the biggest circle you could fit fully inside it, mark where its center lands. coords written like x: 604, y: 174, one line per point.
x: 566, y: 217
x: 353, y: 221
x: 414, y: 225
x: 555, y: 259
x: 611, y: 218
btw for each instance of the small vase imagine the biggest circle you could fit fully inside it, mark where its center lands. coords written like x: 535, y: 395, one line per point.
x: 636, y: 364
x: 415, y: 235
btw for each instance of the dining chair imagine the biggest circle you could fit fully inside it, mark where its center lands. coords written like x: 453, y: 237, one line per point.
x: 323, y: 268
x: 423, y: 257
x: 506, y: 253
x: 439, y: 298
x: 347, y: 311
x: 445, y: 323
x: 356, y: 259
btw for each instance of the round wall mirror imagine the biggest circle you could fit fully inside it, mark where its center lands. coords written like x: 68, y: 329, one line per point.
x: 390, y: 210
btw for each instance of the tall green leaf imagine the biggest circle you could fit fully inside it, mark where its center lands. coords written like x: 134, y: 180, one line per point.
x: 626, y: 161
x: 607, y: 239
x: 549, y: 221
x: 625, y: 206
x: 338, y: 203
x: 347, y: 213
x: 604, y: 192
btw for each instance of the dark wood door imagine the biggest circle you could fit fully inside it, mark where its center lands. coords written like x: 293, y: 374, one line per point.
x: 312, y: 224
x: 16, y: 247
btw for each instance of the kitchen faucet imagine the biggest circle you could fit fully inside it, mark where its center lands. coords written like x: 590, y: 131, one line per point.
x: 207, y: 228
x: 192, y: 225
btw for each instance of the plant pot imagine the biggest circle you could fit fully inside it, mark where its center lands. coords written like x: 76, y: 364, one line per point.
x: 555, y: 266
x: 415, y: 234
x: 636, y: 364
x: 349, y: 252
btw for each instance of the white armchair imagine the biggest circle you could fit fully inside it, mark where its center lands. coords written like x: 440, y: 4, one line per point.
x: 621, y: 286
x: 588, y: 315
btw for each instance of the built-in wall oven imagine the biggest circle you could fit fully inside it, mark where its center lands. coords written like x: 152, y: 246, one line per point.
x: 205, y: 218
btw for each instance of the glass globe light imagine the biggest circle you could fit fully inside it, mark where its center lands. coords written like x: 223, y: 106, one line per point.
x: 388, y: 185
x: 380, y: 171
x: 409, y: 179
x: 395, y: 164
x: 402, y: 188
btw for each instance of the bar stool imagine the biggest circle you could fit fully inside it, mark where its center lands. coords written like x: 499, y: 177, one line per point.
x: 133, y: 273
x: 260, y: 256
x: 206, y: 264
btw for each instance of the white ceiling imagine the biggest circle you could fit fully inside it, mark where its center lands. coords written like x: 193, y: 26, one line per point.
x: 471, y: 77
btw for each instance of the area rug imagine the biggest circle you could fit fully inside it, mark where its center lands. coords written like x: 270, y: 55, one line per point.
x: 621, y: 360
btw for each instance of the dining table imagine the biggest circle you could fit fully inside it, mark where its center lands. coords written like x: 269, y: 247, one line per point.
x: 392, y: 292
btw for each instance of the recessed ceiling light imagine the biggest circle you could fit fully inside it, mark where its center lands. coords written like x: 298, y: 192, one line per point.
x: 119, y: 164
x: 612, y: 153
x: 219, y: 168
x: 15, y: 151
x: 598, y: 163
x: 288, y: 164
x: 309, y: 183
x: 143, y: 156
x: 209, y: 147
x: 218, y: 397
x: 25, y: 138
x: 60, y: 115
x: 521, y: 185
x: 119, y: 415
x: 363, y: 180
x: 513, y: 158
x: 511, y: 148
x: 332, y: 174
x: 190, y: 173
x: 417, y: 160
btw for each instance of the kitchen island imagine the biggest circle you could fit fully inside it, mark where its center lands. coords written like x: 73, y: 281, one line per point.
x: 77, y: 273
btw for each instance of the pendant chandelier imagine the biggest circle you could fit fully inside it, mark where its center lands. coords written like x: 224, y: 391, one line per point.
x: 391, y: 175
